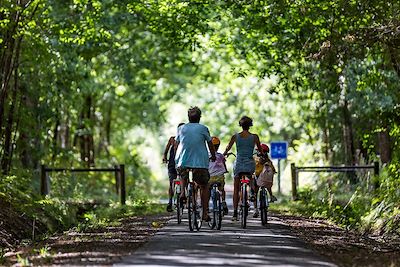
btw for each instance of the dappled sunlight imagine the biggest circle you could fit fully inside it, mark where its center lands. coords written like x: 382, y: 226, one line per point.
x: 256, y: 245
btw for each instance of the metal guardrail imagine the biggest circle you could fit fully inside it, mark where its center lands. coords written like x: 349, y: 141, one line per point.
x: 295, y: 172
x: 119, y: 172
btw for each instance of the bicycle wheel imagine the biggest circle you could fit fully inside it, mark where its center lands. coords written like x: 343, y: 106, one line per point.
x: 243, y: 207
x: 191, y: 208
x: 263, y: 207
x: 218, y: 212
x: 198, y: 209
x: 212, y: 222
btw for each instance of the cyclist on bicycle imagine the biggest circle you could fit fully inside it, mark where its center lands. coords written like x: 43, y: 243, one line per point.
x: 172, y: 174
x: 263, y: 161
x: 245, y: 142
x: 217, y: 169
x: 191, y: 143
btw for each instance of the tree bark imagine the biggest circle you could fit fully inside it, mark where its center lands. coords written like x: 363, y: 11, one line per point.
x: 384, y: 146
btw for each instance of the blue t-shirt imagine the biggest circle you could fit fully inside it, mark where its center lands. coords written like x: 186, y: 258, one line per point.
x: 192, y: 150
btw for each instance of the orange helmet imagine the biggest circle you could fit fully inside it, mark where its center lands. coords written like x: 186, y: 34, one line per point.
x: 215, y: 140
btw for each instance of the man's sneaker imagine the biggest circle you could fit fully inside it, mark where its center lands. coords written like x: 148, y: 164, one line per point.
x: 255, y: 215
x: 273, y: 199
x: 169, y: 207
x: 224, y: 208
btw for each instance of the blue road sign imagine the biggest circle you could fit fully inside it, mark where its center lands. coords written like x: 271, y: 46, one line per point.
x: 279, y: 150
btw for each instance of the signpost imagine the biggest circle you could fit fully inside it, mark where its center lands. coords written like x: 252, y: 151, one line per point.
x: 279, y: 151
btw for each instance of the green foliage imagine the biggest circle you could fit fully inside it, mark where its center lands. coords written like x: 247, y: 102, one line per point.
x: 358, y: 207
x: 111, y: 215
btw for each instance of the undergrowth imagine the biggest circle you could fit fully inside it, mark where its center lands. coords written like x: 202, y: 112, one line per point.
x: 360, y: 206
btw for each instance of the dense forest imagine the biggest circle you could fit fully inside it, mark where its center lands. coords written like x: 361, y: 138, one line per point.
x: 86, y: 83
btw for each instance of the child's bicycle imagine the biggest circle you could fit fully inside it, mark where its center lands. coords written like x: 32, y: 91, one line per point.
x: 216, y: 212
x: 178, y: 204
x: 194, y: 207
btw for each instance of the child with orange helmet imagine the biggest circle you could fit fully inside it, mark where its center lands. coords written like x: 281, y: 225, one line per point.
x: 217, y: 169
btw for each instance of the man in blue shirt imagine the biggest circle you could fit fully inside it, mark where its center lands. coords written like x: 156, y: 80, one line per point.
x: 191, y: 153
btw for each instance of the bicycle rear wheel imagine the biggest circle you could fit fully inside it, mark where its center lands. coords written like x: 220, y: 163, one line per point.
x: 178, y: 209
x: 243, y: 207
x: 212, y: 222
x: 263, y: 207
x: 191, y: 208
x: 198, y: 209
x: 218, y: 211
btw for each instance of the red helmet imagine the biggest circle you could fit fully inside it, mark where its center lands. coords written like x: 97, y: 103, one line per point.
x: 265, y: 148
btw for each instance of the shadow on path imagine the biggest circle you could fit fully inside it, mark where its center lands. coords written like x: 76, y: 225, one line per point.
x: 257, y: 246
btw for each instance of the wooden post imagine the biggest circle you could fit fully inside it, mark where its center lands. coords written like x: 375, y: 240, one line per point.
x: 294, y: 181
x: 44, y: 189
x: 117, y: 179
x: 376, y: 174
x: 122, y: 177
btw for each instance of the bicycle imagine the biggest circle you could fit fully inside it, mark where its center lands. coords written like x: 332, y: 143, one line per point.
x: 216, y: 213
x: 178, y: 205
x: 194, y: 207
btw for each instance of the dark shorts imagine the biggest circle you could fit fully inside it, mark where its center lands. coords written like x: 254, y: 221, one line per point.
x: 172, y: 174
x: 200, y: 176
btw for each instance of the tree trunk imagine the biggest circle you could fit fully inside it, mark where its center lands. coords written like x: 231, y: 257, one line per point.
x: 7, y: 145
x: 385, y: 149
x: 86, y: 132
x: 348, y: 135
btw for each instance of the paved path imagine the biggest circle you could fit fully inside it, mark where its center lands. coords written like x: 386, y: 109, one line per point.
x: 255, y: 246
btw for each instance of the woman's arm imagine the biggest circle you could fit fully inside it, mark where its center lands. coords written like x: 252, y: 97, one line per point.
x: 258, y: 144
x: 231, y: 142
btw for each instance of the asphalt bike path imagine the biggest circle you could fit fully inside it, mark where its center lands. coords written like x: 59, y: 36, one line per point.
x: 175, y: 245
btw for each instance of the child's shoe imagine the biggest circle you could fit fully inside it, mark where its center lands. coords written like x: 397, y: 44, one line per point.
x: 224, y: 208
x: 255, y: 215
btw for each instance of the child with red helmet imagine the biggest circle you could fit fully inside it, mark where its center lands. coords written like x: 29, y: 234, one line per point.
x: 265, y: 171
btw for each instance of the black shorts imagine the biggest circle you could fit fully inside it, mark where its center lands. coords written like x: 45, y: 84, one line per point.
x: 172, y: 174
x: 200, y: 176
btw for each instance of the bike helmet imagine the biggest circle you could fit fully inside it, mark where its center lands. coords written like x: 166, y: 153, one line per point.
x: 265, y: 148
x: 215, y: 140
